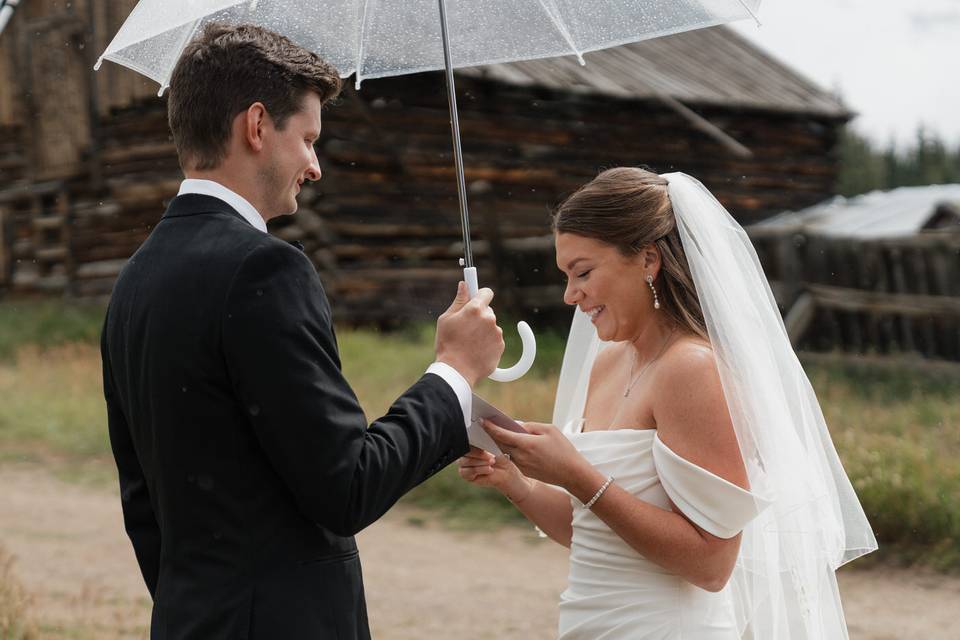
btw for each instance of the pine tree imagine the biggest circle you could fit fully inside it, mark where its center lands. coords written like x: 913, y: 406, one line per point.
x: 864, y: 168
x: 861, y: 167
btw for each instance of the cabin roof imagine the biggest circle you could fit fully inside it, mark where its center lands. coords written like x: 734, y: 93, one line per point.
x: 712, y: 66
x: 879, y: 214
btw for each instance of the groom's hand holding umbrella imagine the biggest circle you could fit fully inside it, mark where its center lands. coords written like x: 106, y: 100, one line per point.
x: 468, y: 338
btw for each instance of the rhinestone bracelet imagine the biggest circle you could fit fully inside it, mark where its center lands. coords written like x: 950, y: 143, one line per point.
x: 599, y: 493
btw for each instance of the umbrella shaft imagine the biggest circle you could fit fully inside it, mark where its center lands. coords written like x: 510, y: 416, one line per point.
x: 455, y: 128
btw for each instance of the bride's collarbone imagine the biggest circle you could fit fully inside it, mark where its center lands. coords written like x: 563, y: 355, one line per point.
x: 619, y: 400
x: 610, y: 409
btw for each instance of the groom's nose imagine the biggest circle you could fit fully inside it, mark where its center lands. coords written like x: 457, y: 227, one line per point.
x: 313, y: 171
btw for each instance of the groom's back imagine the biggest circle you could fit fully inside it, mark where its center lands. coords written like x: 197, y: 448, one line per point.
x: 226, y: 526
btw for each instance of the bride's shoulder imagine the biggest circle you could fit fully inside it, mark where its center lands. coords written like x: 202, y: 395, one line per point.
x: 689, y: 362
x: 690, y: 349
x: 691, y: 411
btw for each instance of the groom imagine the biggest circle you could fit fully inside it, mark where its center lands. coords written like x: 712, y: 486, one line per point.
x: 246, y: 464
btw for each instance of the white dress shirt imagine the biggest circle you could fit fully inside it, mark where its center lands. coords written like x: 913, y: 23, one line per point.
x: 232, y: 198
x: 450, y: 375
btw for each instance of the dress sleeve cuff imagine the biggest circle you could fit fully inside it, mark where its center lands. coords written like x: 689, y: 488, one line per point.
x: 459, y: 385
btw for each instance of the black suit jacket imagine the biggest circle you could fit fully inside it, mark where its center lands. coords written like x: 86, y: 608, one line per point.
x: 246, y: 463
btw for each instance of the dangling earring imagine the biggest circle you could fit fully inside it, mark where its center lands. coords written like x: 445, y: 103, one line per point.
x: 656, y: 301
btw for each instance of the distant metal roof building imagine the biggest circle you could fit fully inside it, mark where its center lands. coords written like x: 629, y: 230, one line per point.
x: 879, y: 214
x: 713, y: 66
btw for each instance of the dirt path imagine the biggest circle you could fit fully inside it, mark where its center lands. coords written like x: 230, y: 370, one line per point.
x: 423, y: 580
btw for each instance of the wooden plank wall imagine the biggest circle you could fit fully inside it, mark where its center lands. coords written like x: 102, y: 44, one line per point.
x: 46, y: 59
x: 53, y: 69
x: 13, y: 155
x: 117, y: 86
x: 10, y: 112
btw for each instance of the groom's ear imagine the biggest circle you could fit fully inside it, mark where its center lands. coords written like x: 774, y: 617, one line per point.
x: 253, y: 123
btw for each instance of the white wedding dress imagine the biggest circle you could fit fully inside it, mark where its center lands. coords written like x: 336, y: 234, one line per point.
x: 613, y: 591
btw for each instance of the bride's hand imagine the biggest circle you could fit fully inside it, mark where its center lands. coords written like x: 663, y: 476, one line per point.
x: 483, y: 469
x: 543, y: 453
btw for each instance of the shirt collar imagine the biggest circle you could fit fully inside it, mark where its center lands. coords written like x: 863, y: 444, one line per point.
x: 232, y: 198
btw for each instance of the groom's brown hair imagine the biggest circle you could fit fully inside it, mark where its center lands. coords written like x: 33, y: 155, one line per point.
x: 226, y: 69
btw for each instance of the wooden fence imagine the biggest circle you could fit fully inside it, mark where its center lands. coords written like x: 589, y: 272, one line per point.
x: 867, y: 296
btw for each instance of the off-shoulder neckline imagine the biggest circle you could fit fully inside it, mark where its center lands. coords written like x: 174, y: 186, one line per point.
x: 619, y: 430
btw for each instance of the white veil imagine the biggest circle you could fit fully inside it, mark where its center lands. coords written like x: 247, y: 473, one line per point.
x: 784, y: 585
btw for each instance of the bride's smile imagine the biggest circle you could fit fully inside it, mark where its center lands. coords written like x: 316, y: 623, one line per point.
x: 594, y: 312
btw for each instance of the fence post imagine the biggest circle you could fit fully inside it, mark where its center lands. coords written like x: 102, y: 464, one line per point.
x: 900, y: 286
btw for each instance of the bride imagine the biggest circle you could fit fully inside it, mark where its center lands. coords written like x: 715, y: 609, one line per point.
x: 692, y: 475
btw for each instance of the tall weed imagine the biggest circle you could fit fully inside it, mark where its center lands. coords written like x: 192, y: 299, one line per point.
x: 15, y: 623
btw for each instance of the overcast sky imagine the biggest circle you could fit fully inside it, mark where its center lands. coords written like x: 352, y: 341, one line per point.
x: 895, y: 63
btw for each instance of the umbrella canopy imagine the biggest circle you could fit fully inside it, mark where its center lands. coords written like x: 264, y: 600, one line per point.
x: 379, y: 38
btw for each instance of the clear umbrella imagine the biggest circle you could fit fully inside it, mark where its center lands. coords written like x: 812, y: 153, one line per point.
x: 379, y: 38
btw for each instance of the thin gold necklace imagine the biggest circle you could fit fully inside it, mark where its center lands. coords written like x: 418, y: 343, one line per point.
x: 633, y: 363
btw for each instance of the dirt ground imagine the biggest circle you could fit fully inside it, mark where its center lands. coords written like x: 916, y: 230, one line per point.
x: 423, y: 580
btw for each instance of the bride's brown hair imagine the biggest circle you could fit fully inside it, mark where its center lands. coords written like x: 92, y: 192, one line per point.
x: 630, y: 208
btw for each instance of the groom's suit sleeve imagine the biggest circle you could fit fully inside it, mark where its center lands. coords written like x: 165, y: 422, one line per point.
x: 138, y: 515
x: 282, y: 357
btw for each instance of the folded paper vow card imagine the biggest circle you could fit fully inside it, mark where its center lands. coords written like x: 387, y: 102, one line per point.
x: 484, y: 410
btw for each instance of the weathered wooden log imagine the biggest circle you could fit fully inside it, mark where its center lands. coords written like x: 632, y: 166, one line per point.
x: 800, y: 316
x: 103, y: 269
x: 900, y: 304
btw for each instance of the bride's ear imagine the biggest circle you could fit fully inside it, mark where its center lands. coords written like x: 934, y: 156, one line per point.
x: 649, y: 258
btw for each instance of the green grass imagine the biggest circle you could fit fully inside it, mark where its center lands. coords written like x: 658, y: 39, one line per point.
x: 47, y: 323
x: 898, y: 434
x: 897, y: 430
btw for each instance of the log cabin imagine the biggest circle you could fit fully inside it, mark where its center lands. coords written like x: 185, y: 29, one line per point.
x: 87, y: 163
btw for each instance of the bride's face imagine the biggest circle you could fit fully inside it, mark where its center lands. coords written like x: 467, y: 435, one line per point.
x: 606, y: 285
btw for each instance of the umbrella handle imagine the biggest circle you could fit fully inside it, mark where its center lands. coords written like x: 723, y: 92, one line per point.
x: 526, y: 337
